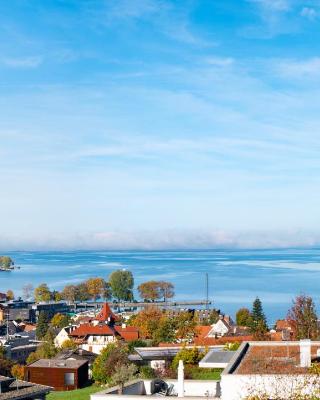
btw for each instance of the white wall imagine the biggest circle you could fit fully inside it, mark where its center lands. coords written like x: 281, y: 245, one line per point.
x: 238, y: 387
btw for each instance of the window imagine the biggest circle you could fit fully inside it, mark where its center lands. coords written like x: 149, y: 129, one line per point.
x: 69, y: 378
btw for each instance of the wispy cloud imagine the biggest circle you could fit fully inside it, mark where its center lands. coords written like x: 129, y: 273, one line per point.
x: 309, y: 13
x: 22, y: 62
x: 309, y: 68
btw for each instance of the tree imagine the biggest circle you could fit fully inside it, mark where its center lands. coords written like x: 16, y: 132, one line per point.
x: 243, y: 317
x: 110, y: 358
x: 59, y: 321
x: 166, y: 330
x: 149, y: 290
x: 68, y: 344
x: 186, y: 325
x: 123, y: 373
x: 121, y: 284
x: 258, y: 326
x: 27, y: 291
x: 96, y: 288
x: 304, y: 317
x: 147, y: 321
x: 69, y: 293
x: 42, y: 325
x: 166, y: 290
x: 42, y: 293
x: 82, y: 292
x: 6, y: 262
x: 18, y: 371
x: 188, y: 356
x: 10, y: 294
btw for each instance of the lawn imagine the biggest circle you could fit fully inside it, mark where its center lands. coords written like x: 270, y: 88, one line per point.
x: 79, y: 394
x: 207, y: 374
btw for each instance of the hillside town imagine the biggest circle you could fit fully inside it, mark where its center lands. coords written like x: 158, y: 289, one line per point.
x: 96, y: 340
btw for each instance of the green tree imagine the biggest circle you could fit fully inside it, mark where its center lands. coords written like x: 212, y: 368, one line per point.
x: 243, y: 317
x: 166, y: 330
x: 122, y: 374
x: 188, y: 356
x: 110, y: 358
x: 303, y: 317
x: 42, y: 325
x: 42, y: 293
x: 121, y: 284
x: 68, y: 344
x: 258, y: 326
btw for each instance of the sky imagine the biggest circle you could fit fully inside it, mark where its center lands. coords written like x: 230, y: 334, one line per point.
x: 159, y: 123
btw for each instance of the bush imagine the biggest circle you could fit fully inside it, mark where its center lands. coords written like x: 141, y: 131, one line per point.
x: 146, y: 372
x: 188, y: 356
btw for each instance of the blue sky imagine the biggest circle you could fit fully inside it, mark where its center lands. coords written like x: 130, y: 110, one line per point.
x: 159, y: 123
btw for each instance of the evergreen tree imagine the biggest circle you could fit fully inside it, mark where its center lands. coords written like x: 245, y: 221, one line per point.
x: 259, y: 326
x: 42, y: 325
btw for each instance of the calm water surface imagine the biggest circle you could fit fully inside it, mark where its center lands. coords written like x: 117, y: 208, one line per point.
x: 235, y: 277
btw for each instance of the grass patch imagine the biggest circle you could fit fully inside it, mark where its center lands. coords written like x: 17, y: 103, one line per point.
x: 78, y: 394
x: 206, y: 373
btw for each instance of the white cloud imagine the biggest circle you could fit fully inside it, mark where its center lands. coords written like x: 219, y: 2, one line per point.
x: 299, y: 68
x: 274, y: 5
x: 309, y: 13
x: 23, y: 62
x: 220, y: 61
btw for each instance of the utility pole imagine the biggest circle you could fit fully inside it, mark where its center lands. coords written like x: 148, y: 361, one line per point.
x: 8, y: 316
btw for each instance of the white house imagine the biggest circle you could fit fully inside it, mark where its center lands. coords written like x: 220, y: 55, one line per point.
x: 222, y: 327
x: 271, y: 370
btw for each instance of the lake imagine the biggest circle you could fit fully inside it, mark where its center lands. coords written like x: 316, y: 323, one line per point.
x: 235, y: 276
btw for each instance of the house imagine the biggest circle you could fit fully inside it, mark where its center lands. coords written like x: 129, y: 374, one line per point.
x: 3, y: 297
x: 284, y: 330
x: 15, y: 310
x: 19, y: 346
x: 94, y: 337
x: 64, y: 335
x: 13, y: 389
x: 62, y: 375
x: 271, y: 370
x: 78, y: 354
x: 222, y: 327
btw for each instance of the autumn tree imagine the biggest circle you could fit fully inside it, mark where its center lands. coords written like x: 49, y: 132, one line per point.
x: 68, y: 344
x: 121, y: 284
x: 18, y: 371
x: 97, y: 288
x: 166, y: 290
x: 69, y: 293
x: 304, y: 318
x: 82, y: 292
x: 10, y: 295
x: 59, y: 321
x: 243, y: 317
x: 186, y: 324
x: 149, y: 290
x: 147, y: 321
x: 42, y: 293
x: 27, y: 291
x: 6, y: 262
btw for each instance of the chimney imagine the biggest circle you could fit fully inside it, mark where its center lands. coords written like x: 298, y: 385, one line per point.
x: 305, y: 353
x: 123, y: 326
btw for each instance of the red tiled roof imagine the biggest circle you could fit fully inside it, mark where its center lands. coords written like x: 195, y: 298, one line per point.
x: 209, y: 341
x: 282, y: 324
x: 88, y: 329
x: 128, y: 333
x: 105, y: 314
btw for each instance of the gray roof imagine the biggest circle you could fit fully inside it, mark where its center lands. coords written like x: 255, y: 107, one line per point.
x: 53, y: 363
x: 218, y: 358
x: 21, y: 390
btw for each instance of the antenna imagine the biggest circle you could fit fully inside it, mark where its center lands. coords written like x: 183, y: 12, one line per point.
x: 207, y: 290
